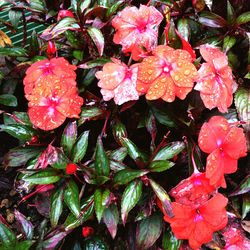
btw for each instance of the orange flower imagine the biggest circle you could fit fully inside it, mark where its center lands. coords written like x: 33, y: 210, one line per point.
x: 166, y: 74
x: 215, y: 80
x: 137, y: 29
x: 197, y: 224
x: 118, y: 81
x: 225, y: 146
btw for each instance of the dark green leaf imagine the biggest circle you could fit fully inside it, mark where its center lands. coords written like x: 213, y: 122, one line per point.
x: 117, y: 166
x: 24, y: 245
x: 99, y: 207
x: 169, y: 151
x: 80, y: 147
x: 98, y: 39
x: 228, y: 43
x: 115, y: 6
x: 84, y: 5
x: 125, y: 176
x: 8, y: 100
x: 7, y: 237
x: 73, y: 39
x: 71, y: 198
x: 111, y: 219
x: 245, y: 206
x: 69, y: 137
x: 183, y: 28
x: 56, y: 206
x: 59, y: 159
x: 34, y: 43
x: 230, y: 13
x: 14, y: 17
x: 119, y: 154
x: 243, y: 188
x: 25, y: 225
x: 104, y: 3
x: 45, y: 176
x: 90, y: 113
x: 119, y: 132
x: 130, y: 198
x: 212, y: 20
x: 169, y: 241
x: 160, y: 166
x: 95, y: 243
x: 94, y: 63
x: 14, y: 51
x: 17, y: 118
x: 148, y: 231
x: 101, y: 160
x: 243, y: 18
x: 37, y: 5
x: 78, y: 54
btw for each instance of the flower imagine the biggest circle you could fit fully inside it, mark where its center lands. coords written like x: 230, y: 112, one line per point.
x: 193, y: 190
x: 137, y: 29
x: 87, y: 231
x: 51, y: 49
x: 71, y: 168
x: 118, y: 81
x: 225, y: 145
x: 197, y: 224
x: 166, y: 74
x: 215, y: 79
x: 64, y: 13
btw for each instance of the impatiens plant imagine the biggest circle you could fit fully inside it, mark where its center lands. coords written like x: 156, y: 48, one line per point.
x: 124, y: 125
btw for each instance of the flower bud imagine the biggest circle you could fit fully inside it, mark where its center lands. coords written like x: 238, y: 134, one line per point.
x: 71, y: 168
x: 64, y: 13
x: 51, y: 49
x: 87, y: 231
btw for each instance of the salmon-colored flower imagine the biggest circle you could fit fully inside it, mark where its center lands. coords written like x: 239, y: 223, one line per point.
x: 166, y: 74
x: 197, y: 224
x: 137, y: 29
x: 118, y: 81
x: 225, y: 145
x: 193, y: 190
x: 215, y: 79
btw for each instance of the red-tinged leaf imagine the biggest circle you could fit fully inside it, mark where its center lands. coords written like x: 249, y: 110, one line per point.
x: 44, y: 188
x: 25, y: 225
x: 130, y: 198
x: 172, y: 39
x: 119, y: 131
x: 212, y: 20
x: 90, y: 113
x: 243, y: 18
x: 127, y: 105
x: 111, y: 219
x: 183, y: 29
x: 162, y: 196
x: 148, y: 231
x: 243, y: 188
x: 98, y: 39
x: 53, y: 239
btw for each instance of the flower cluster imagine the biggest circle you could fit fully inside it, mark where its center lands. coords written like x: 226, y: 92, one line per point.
x: 50, y: 88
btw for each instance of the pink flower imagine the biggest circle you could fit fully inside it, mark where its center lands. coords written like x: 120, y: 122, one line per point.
x: 215, y: 80
x: 118, y: 81
x: 137, y: 29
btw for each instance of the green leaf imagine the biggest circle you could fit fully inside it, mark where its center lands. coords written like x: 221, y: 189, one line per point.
x: 80, y: 147
x: 14, y: 17
x: 71, y: 198
x: 90, y: 113
x: 119, y: 132
x: 104, y: 3
x: 212, y: 20
x: 14, y: 51
x: 115, y: 6
x: 8, y: 100
x: 117, y: 166
x: 162, y: 196
x: 169, y: 151
x: 126, y: 175
x: 119, y: 154
x: 17, y: 118
x: 94, y: 63
x: 130, y: 198
x: 160, y: 166
x: 24, y: 245
x: 84, y: 5
x: 34, y: 44
x: 101, y: 160
x: 98, y: 39
x: 78, y: 54
x: 69, y: 137
x: 95, y: 243
x: 7, y: 237
x: 38, y: 5
x: 183, y: 28
x: 45, y: 176
x: 111, y: 219
x: 87, y: 210
x: 243, y: 188
x: 99, y: 207
x: 19, y: 131
x: 148, y: 231
x: 169, y: 241
x: 60, y: 160
x: 56, y: 206
x: 228, y: 43
x: 245, y: 206
x: 243, y: 18
x: 230, y: 13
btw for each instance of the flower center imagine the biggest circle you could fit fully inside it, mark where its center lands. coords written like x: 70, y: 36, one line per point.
x: 198, y: 217
x: 47, y: 69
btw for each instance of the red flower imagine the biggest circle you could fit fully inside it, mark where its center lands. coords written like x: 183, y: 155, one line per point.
x: 225, y: 146
x: 71, y: 168
x: 193, y: 190
x: 118, y: 81
x: 166, y: 74
x: 87, y: 231
x: 215, y: 80
x: 137, y: 29
x: 64, y: 13
x: 51, y: 49
x: 197, y: 224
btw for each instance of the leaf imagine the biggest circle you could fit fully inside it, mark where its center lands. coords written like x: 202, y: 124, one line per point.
x: 243, y: 18
x: 126, y: 175
x: 71, y: 198
x: 230, y: 13
x: 119, y: 132
x: 37, y: 5
x: 169, y: 241
x: 14, y: 51
x: 243, y: 188
x: 84, y: 5
x: 162, y: 196
x: 53, y: 239
x: 245, y: 206
x: 94, y: 63
x: 7, y: 237
x: 148, y: 231
x: 17, y: 118
x: 26, y: 226
x: 80, y: 147
x: 99, y: 206
x: 90, y: 113
x: 160, y: 166
x: 228, y: 43
x: 69, y: 137
x: 98, y: 39
x: 45, y: 176
x: 101, y: 160
x: 169, y: 151
x: 4, y: 40
x: 114, y: 7
x: 130, y: 198
x: 24, y: 245
x: 56, y: 206
x: 212, y: 20
x: 19, y: 131
x: 111, y: 219
x: 183, y: 28
x: 119, y: 154
x: 67, y: 23
x: 14, y: 17
x: 8, y: 100
x: 56, y: 158
x: 95, y: 243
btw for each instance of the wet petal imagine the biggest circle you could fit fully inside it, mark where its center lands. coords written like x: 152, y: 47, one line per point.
x: 209, y: 52
x: 157, y: 89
